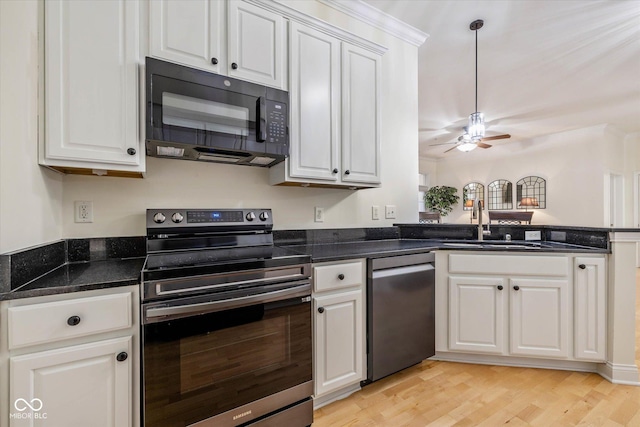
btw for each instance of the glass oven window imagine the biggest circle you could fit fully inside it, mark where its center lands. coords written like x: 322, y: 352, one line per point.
x: 201, y: 366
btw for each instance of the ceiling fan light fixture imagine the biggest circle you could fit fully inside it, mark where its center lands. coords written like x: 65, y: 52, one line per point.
x: 467, y: 146
x: 476, y: 126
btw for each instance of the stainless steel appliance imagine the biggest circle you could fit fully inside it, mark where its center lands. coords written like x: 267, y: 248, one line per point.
x: 196, y: 115
x: 400, y: 313
x: 226, y: 322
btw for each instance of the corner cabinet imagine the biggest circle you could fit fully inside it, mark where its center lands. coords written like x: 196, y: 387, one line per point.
x: 339, y: 329
x: 232, y: 38
x: 73, y: 357
x: 91, y: 91
x: 549, y: 306
x: 335, y: 112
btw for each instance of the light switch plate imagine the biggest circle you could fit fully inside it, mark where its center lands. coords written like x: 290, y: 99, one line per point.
x: 532, y: 235
x: 375, y: 212
x: 319, y: 214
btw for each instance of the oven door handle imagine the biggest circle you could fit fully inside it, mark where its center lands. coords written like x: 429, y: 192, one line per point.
x: 157, y: 314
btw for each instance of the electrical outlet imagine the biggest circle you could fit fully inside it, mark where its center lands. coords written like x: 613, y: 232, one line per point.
x: 375, y: 212
x: 532, y: 235
x: 319, y: 214
x: 390, y: 211
x: 83, y: 211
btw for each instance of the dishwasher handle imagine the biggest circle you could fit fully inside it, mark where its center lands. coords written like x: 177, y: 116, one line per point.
x: 402, y: 270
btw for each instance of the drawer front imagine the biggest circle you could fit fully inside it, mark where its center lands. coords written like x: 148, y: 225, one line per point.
x: 521, y: 265
x: 338, y: 276
x: 59, y: 320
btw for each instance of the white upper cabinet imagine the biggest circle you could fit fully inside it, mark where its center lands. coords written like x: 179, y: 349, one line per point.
x: 335, y: 112
x: 91, y: 87
x: 315, y: 104
x: 189, y: 32
x: 360, y: 115
x: 233, y: 38
x: 257, y: 45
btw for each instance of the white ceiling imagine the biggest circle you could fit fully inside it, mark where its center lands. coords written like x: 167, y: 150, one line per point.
x: 544, y: 66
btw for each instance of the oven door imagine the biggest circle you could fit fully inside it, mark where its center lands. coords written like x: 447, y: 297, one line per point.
x: 226, y: 360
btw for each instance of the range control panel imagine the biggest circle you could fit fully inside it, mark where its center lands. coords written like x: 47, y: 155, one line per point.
x: 195, y: 218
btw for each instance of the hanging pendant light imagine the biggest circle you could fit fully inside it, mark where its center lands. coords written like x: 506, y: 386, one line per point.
x: 476, y: 119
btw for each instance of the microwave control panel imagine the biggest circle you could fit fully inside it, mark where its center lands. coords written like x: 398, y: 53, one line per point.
x: 277, y: 122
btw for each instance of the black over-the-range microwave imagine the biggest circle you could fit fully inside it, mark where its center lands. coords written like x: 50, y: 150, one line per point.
x: 196, y: 115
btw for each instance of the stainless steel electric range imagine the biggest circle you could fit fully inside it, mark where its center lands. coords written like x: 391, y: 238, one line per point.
x: 226, y: 322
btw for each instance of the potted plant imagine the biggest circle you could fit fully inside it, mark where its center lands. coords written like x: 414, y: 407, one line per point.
x: 441, y: 199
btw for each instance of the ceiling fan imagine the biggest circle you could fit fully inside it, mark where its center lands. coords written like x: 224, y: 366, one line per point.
x: 473, y: 135
x: 465, y: 143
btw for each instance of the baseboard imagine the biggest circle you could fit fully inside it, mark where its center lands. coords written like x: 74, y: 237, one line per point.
x: 320, y: 401
x: 620, y: 374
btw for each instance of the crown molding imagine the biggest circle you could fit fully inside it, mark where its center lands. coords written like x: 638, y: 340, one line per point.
x: 379, y: 19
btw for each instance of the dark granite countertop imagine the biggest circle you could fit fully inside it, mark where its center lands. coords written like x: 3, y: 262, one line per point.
x: 81, y: 276
x: 383, y: 248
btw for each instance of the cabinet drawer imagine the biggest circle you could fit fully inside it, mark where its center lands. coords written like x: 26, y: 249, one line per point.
x: 338, y: 276
x: 59, y: 320
x: 521, y: 265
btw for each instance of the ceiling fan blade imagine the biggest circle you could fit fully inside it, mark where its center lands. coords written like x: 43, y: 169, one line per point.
x: 492, y: 138
x: 483, y: 145
x: 452, y: 148
x: 443, y: 143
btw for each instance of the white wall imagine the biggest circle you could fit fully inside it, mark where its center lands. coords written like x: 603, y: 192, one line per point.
x: 30, y: 196
x: 120, y: 204
x: 573, y: 163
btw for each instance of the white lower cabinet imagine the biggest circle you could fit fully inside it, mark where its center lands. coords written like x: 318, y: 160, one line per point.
x: 71, y: 359
x: 522, y: 305
x: 339, y: 327
x: 83, y: 385
x: 539, y: 317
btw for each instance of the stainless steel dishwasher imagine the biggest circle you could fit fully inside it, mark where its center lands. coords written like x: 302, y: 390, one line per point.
x: 400, y: 313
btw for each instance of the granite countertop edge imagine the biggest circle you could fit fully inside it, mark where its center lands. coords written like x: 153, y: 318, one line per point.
x: 332, y: 252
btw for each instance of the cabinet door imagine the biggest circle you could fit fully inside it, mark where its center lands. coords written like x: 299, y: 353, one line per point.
x: 83, y: 385
x: 589, y: 293
x: 315, y: 103
x: 91, y: 83
x: 477, y: 314
x: 360, y: 115
x: 539, y: 317
x: 339, y: 336
x: 189, y: 32
x: 256, y: 45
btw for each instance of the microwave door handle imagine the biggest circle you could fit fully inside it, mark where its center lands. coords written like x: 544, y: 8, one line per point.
x: 261, y: 119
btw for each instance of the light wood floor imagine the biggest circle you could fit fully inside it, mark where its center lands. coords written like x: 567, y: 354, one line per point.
x: 454, y: 394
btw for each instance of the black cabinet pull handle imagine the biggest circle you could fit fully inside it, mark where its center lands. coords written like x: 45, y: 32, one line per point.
x: 335, y: 170
x: 320, y: 310
x: 341, y: 276
x: 131, y: 151
x: 516, y: 288
x: 121, y: 357
x: 73, y: 320
x: 347, y: 172
x: 500, y: 287
x: 582, y: 266
x: 234, y: 65
x: 214, y: 61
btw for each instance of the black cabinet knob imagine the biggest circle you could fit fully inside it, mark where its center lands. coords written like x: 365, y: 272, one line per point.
x: 73, y: 320
x: 516, y: 288
x: 335, y: 170
x: 131, y: 151
x: 320, y: 310
x: 121, y: 357
x: 500, y: 287
x: 341, y: 276
x: 234, y: 65
x: 582, y: 266
x: 347, y: 172
x: 214, y: 61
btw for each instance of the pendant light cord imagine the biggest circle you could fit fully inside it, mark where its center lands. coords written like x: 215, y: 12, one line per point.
x: 476, y: 70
